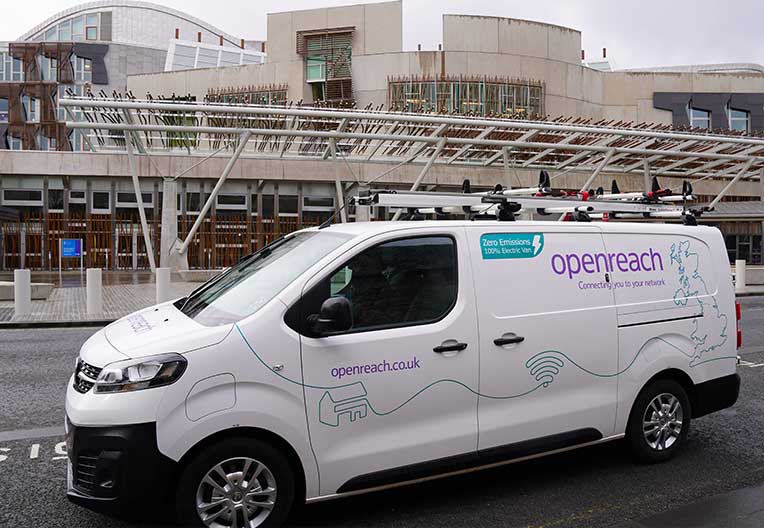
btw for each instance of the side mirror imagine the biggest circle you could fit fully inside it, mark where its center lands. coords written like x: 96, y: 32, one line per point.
x: 336, y: 316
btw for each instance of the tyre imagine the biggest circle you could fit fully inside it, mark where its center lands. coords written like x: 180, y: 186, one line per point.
x: 236, y: 483
x: 659, y: 421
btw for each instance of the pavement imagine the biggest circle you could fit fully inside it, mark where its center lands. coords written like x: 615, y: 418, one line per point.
x: 716, y: 481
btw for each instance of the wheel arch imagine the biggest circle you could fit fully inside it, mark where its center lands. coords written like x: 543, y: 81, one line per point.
x: 270, y: 437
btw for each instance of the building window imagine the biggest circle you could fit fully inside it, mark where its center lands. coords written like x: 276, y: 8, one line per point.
x: 11, y: 195
x: 91, y: 26
x: 739, y: 120
x: 55, y: 199
x: 65, y: 30
x: 230, y: 59
x: 700, y: 118
x: 3, y: 110
x: 129, y: 198
x: 77, y: 196
x: 268, y: 206
x: 101, y: 200
x: 478, y: 96
x: 315, y: 69
x: 78, y: 29
x: 318, y: 203
x: 238, y: 200
x: 744, y: 247
x: 192, y: 202
x: 287, y: 204
x: 51, y: 34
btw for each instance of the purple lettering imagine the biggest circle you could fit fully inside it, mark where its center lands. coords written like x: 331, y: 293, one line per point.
x: 603, y: 257
x: 653, y: 255
x: 587, y: 262
x: 634, y: 262
x: 562, y: 264
x: 621, y: 261
x: 570, y: 258
x: 645, y: 267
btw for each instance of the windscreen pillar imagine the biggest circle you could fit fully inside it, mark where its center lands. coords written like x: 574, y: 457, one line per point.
x: 167, y: 257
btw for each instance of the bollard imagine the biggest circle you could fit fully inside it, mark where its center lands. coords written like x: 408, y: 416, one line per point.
x: 739, y: 275
x: 163, y: 284
x: 94, y: 291
x: 22, y: 292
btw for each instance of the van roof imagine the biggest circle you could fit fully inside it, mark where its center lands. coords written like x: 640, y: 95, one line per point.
x: 372, y: 228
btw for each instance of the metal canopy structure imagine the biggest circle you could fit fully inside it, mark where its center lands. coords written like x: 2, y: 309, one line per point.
x: 161, y: 127
x: 368, y: 135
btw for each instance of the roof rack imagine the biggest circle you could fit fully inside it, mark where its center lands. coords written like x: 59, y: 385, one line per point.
x: 506, y: 204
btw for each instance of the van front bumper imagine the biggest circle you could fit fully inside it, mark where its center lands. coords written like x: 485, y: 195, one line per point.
x: 117, y: 469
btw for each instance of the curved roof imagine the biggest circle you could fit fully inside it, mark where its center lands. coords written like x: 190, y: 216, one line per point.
x: 88, y: 6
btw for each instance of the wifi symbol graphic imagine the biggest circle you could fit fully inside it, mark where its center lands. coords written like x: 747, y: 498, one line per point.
x: 545, y: 366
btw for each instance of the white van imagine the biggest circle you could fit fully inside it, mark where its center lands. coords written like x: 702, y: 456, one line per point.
x: 361, y: 356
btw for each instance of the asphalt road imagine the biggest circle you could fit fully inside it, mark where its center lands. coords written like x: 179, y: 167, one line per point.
x: 593, y: 487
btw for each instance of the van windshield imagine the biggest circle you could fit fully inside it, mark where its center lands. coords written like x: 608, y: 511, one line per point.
x: 246, y: 287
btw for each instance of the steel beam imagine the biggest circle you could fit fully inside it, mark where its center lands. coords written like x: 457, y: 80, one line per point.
x: 423, y: 172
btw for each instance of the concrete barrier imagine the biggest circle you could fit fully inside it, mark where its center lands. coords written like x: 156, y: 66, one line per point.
x: 22, y: 292
x: 40, y: 290
x: 163, y: 285
x: 94, y: 291
x: 739, y: 275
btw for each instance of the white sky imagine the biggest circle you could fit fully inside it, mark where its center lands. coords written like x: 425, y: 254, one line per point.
x: 637, y: 33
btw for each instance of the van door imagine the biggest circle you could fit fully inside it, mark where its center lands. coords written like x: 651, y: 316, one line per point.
x: 399, y: 388
x: 548, y: 347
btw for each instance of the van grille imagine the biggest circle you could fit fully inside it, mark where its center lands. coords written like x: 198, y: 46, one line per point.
x: 85, y: 376
x: 85, y: 472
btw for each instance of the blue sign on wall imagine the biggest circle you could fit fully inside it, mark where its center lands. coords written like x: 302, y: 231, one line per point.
x: 71, y: 247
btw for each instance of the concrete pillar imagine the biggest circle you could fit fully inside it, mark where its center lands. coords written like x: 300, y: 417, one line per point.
x: 135, y: 247
x: 22, y: 244
x: 739, y: 275
x: 94, y: 291
x: 169, y: 221
x: 22, y: 292
x: 162, y: 285
x: 44, y: 237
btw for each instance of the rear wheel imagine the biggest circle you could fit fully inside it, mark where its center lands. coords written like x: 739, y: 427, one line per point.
x: 239, y: 482
x: 659, y: 421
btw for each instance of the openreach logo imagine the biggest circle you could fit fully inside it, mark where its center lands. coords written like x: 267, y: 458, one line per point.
x: 572, y: 264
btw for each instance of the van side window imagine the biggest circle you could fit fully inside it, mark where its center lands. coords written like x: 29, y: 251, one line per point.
x: 404, y: 282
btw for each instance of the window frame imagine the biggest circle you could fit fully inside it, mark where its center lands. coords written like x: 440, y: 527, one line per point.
x: 297, y: 320
x: 731, y: 119
x: 691, y: 109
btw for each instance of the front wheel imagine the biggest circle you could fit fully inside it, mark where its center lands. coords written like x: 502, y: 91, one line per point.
x: 239, y: 482
x: 659, y: 421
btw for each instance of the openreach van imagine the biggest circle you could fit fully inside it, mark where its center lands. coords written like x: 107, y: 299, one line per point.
x: 359, y: 356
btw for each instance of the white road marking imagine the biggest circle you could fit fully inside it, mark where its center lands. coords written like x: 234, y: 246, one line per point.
x: 3, y: 458
x: 60, y: 450
x: 748, y: 364
x: 34, y: 452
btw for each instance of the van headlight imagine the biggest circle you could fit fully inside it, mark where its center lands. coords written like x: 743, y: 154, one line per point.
x: 139, y: 374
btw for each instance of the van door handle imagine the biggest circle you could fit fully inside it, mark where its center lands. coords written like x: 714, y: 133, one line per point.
x: 508, y: 339
x: 453, y: 347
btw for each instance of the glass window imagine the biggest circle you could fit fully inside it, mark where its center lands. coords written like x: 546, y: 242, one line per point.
x: 100, y: 200
x: 400, y: 283
x: 56, y: 199
x: 78, y: 28
x: 253, y: 282
x: 268, y: 205
x: 319, y: 202
x: 700, y: 118
x: 192, y: 202
x: 231, y: 199
x: 22, y: 195
x: 128, y: 197
x: 91, y: 33
x: 76, y: 195
x: 17, y: 69
x: 287, y: 204
x: 739, y: 120
x: 92, y: 19
x: 3, y: 110
x: 65, y: 30
x: 315, y: 69
x: 51, y: 34
x: 253, y: 199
